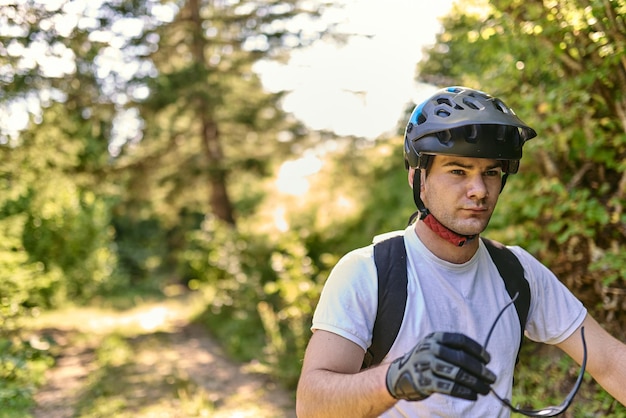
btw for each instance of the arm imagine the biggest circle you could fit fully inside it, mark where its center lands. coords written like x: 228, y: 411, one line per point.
x: 606, y: 359
x: 332, y: 385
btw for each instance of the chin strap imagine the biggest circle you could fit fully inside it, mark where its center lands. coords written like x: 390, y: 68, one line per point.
x: 446, y: 233
x: 433, y: 223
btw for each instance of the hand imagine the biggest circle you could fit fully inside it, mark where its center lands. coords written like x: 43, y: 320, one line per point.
x: 443, y: 362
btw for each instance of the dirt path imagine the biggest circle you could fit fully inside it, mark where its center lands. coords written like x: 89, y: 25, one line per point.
x: 148, y: 362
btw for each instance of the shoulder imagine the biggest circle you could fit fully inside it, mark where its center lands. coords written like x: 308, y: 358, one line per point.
x: 528, y: 261
x: 387, y: 235
x: 359, y: 259
x: 348, y: 301
x: 555, y: 312
x: 363, y: 258
x: 353, y: 273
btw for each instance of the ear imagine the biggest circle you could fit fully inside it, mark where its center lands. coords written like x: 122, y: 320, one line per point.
x: 411, y: 176
x: 422, y: 180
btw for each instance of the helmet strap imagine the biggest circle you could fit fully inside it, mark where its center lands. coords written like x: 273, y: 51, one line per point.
x: 433, y: 223
x: 423, y: 212
x: 504, y: 177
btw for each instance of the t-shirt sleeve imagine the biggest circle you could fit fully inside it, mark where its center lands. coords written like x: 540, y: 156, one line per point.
x: 555, y: 313
x: 349, y: 299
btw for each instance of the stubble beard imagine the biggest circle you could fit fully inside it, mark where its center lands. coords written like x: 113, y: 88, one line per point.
x: 466, y: 225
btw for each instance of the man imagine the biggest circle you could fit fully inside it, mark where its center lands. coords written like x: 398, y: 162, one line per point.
x: 460, y: 146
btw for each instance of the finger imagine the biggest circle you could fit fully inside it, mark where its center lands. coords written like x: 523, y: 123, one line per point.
x: 472, y: 382
x: 464, y: 393
x: 458, y: 373
x: 463, y: 361
x: 461, y: 384
x: 463, y: 342
x: 433, y: 383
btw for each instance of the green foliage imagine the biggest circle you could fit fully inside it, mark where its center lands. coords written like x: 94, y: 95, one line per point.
x: 21, y: 280
x: 140, y: 245
x: 22, y: 369
x: 545, y: 376
x: 69, y: 231
x: 260, y: 290
x: 52, y: 248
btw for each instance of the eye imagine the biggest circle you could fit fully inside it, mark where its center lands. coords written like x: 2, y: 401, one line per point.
x: 492, y: 173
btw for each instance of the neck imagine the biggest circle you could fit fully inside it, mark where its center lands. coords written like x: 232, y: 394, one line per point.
x: 444, y: 249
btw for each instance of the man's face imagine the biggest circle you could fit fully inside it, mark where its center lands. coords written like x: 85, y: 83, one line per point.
x: 462, y: 192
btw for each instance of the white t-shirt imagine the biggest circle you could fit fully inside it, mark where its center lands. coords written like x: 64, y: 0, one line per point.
x: 449, y: 297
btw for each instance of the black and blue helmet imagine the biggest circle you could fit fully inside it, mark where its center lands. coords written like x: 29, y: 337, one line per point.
x: 465, y: 122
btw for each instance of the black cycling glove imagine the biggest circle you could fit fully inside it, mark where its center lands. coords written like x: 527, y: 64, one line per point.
x: 444, y: 362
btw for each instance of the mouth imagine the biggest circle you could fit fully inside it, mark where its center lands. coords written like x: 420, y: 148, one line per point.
x: 476, y: 209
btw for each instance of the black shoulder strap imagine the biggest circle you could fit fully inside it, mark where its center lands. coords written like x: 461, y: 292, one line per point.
x: 512, y: 273
x: 390, y: 259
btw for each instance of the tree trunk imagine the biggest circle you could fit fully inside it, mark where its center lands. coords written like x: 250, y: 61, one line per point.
x: 219, y: 200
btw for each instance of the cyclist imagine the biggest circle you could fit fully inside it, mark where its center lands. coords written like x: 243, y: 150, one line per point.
x: 460, y: 146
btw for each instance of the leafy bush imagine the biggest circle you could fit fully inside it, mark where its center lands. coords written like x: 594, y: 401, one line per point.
x: 261, y: 291
x: 55, y: 247
x: 22, y: 368
x: 21, y: 365
x: 68, y: 230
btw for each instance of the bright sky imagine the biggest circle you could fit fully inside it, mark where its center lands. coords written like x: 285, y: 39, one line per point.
x: 357, y: 89
x: 363, y: 87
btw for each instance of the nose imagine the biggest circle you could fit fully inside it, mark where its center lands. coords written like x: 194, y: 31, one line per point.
x: 477, y: 187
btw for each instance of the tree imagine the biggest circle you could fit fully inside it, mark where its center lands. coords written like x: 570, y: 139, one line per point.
x: 207, y: 106
x: 53, y: 161
x: 159, y: 103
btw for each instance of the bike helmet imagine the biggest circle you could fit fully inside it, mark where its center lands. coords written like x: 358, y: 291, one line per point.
x: 465, y: 122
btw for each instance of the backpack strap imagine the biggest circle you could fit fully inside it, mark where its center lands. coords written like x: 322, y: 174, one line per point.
x: 512, y: 273
x: 390, y: 259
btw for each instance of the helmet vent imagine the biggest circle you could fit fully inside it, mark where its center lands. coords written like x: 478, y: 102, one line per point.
x: 446, y: 101
x: 501, y: 106
x: 501, y: 133
x: 444, y: 136
x: 472, y: 103
x: 442, y: 113
x: 471, y: 133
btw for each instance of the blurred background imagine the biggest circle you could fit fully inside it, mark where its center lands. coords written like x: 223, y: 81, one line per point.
x: 234, y: 150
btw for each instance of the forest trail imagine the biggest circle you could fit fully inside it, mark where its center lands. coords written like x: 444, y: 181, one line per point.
x: 150, y: 361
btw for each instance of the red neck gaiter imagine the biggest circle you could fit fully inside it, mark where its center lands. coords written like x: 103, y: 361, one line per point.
x: 446, y: 233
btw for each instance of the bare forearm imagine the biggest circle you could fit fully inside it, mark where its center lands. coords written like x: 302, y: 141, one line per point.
x: 613, y: 375
x: 606, y: 357
x: 323, y: 393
